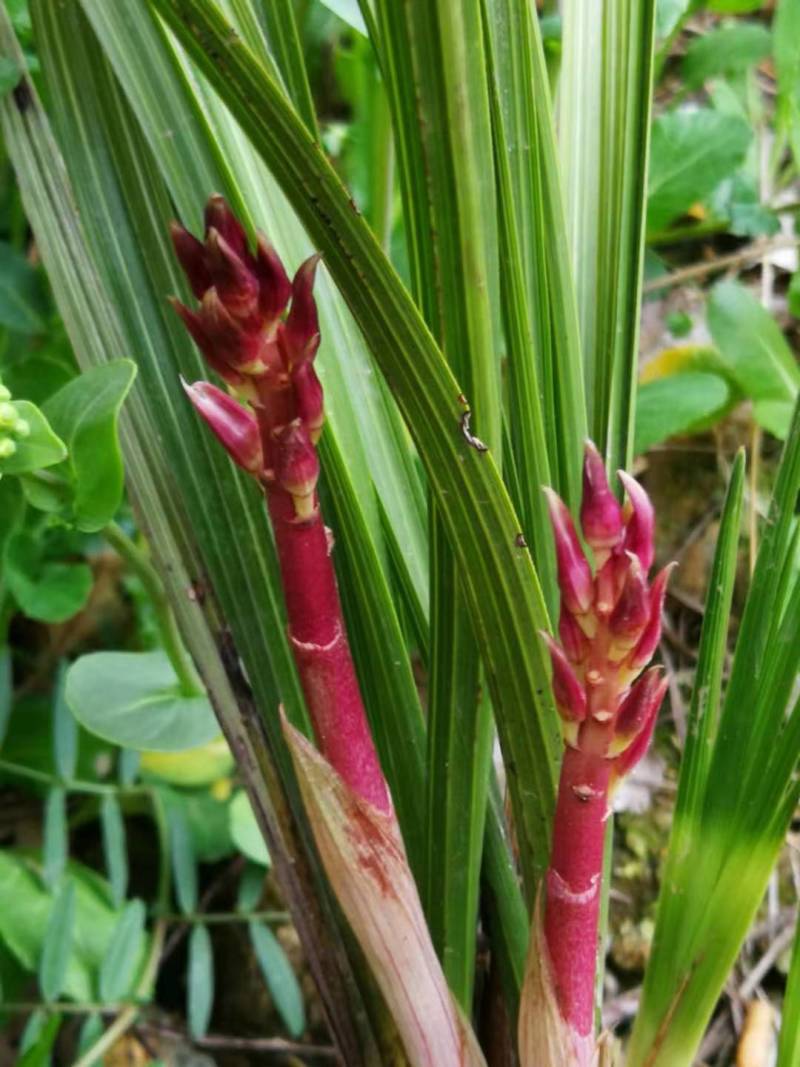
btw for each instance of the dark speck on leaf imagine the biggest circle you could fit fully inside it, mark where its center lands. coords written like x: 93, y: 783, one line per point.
x: 23, y: 97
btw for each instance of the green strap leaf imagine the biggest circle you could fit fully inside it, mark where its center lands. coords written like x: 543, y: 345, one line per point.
x: 115, y: 850
x: 120, y: 963
x: 57, y: 944
x: 605, y: 93
x: 200, y: 981
x: 279, y: 977
x: 54, y: 848
x: 789, y: 1044
x: 65, y: 729
x: 184, y: 863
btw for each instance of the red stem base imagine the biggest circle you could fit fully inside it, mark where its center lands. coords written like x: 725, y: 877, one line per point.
x: 321, y: 649
x: 574, y: 883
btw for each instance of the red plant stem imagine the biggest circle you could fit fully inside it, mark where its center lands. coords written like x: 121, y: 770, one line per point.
x: 321, y: 649
x: 573, y: 883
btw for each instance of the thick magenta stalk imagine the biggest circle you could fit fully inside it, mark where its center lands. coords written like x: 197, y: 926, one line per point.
x: 321, y: 649
x: 573, y: 884
x: 264, y: 349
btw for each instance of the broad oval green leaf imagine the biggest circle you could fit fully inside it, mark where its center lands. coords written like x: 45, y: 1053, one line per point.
x: 200, y: 987
x: 133, y: 699
x: 119, y: 965
x: 752, y: 345
x: 726, y: 50
x: 184, y: 862
x: 691, y: 152
x: 280, y: 978
x: 677, y: 404
x: 85, y: 413
x: 44, y: 590
x: 58, y: 943
x: 40, y: 448
x: 244, y: 829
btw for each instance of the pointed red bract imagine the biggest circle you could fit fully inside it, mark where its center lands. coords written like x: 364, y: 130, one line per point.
x: 235, y: 285
x: 234, y: 426
x: 632, y: 611
x: 191, y: 255
x: 573, y: 639
x: 637, y: 706
x: 648, y: 642
x: 297, y: 466
x: 300, y: 333
x: 219, y: 217
x: 274, y: 285
x: 568, y: 691
x: 574, y: 572
x: 639, y: 521
x: 625, y: 763
x: 601, y: 515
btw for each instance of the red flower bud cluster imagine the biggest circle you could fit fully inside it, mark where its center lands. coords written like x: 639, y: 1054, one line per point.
x: 262, y: 346
x: 610, y: 620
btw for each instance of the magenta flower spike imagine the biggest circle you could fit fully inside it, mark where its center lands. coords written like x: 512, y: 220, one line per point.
x: 609, y: 628
x: 264, y: 350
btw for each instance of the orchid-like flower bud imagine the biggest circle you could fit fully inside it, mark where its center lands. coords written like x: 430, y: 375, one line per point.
x: 639, y: 706
x: 630, y: 756
x: 632, y: 611
x: 191, y: 255
x: 601, y: 515
x: 308, y: 394
x: 300, y: 332
x: 568, y: 691
x: 236, y: 285
x: 218, y: 216
x: 648, y: 642
x: 234, y: 426
x: 297, y: 467
x: 573, y: 640
x: 574, y: 572
x: 639, y: 521
x: 275, y: 287
x: 8, y: 447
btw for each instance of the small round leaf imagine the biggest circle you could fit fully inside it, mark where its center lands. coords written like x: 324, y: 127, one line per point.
x: 133, y: 699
